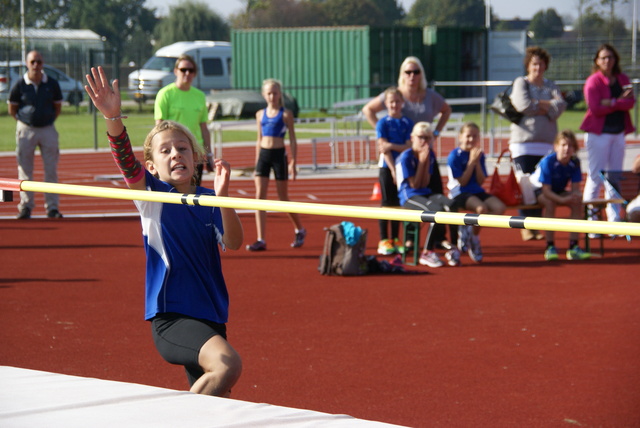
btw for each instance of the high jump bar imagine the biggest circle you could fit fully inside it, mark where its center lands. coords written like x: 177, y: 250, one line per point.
x: 440, y: 217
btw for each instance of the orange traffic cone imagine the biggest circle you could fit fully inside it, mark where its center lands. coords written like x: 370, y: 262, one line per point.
x: 377, y: 194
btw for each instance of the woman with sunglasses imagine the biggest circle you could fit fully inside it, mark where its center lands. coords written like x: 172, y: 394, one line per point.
x: 421, y: 104
x: 609, y: 96
x: 187, y: 105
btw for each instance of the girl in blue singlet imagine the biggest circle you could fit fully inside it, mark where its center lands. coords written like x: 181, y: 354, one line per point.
x: 186, y: 297
x: 273, y: 123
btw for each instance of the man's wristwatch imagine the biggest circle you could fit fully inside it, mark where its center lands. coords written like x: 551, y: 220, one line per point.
x: 436, y: 133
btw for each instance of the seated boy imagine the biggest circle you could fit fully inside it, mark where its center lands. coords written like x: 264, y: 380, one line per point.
x: 550, y: 178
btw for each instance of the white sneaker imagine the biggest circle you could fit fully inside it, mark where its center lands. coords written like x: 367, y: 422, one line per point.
x: 453, y: 257
x: 464, y: 233
x: 475, y: 250
x: 430, y: 259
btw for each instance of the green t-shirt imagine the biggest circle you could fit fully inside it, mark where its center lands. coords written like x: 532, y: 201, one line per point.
x: 186, y: 107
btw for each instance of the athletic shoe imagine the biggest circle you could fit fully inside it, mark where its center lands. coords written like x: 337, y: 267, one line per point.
x: 24, y: 214
x: 551, y: 254
x: 54, y: 213
x: 453, y: 257
x: 386, y: 248
x: 443, y: 245
x: 576, y: 253
x: 298, y: 241
x: 464, y: 234
x: 259, y: 245
x: 475, y: 250
x: 431, y: 259
x: 399, y: 248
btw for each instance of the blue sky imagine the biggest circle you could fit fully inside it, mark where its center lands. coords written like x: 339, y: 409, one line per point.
x: 505, y: 9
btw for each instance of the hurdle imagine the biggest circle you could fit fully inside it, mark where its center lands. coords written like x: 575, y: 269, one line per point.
x: 376, y: 213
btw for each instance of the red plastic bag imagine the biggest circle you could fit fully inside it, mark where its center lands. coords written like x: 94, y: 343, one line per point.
x: 508, y: 191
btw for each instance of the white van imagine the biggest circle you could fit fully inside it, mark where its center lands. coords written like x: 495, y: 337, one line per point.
x: 213, y: 61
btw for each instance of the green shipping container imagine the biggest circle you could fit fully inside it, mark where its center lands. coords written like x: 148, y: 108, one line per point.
x: 454, y: 54
x: 323, y: 65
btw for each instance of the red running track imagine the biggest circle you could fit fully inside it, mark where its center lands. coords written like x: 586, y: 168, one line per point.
x: 514, y: 341
x: 91, y: 168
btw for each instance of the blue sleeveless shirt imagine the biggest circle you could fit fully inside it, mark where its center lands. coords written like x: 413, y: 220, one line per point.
x: 273, y: 126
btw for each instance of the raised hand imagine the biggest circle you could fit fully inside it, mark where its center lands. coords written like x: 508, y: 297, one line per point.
x: 104, y: 97
x: 222, y: 175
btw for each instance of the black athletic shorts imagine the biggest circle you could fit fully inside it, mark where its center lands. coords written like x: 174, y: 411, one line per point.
x: 275, y: 159
x: 461, y: 199
x: 179, y: 338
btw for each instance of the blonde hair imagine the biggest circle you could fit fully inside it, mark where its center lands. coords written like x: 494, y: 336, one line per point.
x: 568, y: 135
x: 468, y: 125
x: 170, y: 125
x: 412, y: 60
x: 392, y: 90
x: 421, y: 128
x: 272, y: 81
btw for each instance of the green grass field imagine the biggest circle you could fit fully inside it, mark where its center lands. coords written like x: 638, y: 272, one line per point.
x: 76, y: 127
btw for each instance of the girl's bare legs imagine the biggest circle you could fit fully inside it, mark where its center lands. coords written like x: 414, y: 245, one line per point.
x: 300, y: 233
x: 473, y: 246
x: 262, y: 184
x: 222, y: 367
x: 491, y: 205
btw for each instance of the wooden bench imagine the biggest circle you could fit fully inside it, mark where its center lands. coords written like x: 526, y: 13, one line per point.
x: 627, y: 183
x: 598, y: 204
x: 411, y: 231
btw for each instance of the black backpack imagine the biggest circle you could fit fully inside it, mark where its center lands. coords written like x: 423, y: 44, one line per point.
x: 340, y: 258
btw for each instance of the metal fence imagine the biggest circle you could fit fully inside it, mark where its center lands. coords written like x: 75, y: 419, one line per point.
x: 71, y: 51
x: 573, y: 59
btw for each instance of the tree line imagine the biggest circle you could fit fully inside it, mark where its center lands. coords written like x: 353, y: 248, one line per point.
x: 134, y: 31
